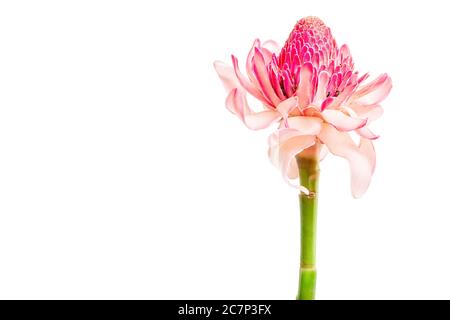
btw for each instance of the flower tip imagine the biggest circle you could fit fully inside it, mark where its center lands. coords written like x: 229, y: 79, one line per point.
x: 357, y: 196
x: 258, y: 52
x: 217, y: 64
x: 358, y: 192
x: 363, y: 123
x: 234, y: 60
x: 311, y: 20
x: 389, y: 79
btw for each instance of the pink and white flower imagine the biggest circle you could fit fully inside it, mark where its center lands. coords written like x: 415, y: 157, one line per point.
x: 311, y: 90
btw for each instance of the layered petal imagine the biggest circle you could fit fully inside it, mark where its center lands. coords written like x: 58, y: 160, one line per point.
x: 249, y: 64
x: 227, y: 76
x: 260, y: 71
x: 284, y: 146
x: 373, y: 92
x: 304, y: 89
x: 272, y: 46
x: 371, y: 113
x: 305, y: 125
x: 322, y: 84
x: 360, y: 159
x: 368, y: 150
x: 247, y: 85
x: 367, y: 134
x: 342, y: 121
x: 237, y: 103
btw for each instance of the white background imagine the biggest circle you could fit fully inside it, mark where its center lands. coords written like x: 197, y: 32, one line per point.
x: 122, y: 175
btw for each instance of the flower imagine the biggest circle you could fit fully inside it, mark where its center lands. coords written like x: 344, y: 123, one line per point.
x: 310, y: 88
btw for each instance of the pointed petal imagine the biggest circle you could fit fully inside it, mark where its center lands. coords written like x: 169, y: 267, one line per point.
x: 260, y: 70
x: 261, y: 120
x: 368, y: 150
x: 304, y: 89
x: 343, y: 96
x: 249, y: 64
x: 284, y: 145
x: 344, y: 52
x: 323, y: 152
x: 267, y: 55
x: 322, y: 84
x: 372, y: 113
x: 285, y: 107
x: 360, y: 161
x: 230, y: 102
x: 341, y: 121
x: 367, y: 134
x: 237, y: 104
x: 227, y: 75
x: 374, y: 92
x: 292, y: 171
x: 247, y: 85
x: 272, y: 46
x: 290, y: 149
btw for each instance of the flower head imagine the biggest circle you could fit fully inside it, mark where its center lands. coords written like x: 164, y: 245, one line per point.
x: 310, y: 87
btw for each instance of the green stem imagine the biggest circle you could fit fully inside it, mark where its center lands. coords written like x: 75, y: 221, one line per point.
x: 308, y: 164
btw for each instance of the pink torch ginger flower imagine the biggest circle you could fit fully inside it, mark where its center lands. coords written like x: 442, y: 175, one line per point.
x: 310, y: 88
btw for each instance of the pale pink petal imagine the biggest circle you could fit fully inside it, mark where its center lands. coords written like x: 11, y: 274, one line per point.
x: 290, y: 149
x: 230, y: 102
x: 237, y: 104
x: 292, y: 171
x: 323, y: 152
x: 275, y: 140
x: 305, y: 125
x: 249, y: 64
x: 322, y: 84
x: 368, y: 150
x: 363, y: 78
x: 344, y: 52
x: 272, y: 46
x: 261, y: 120
x: 374, y: 92
x: 285, y: 108
x: 279, y: 138
x: 304, y: 89
x: 247, y: 85
x: 360, y: 161
x: 260, y: 70
x: 284, y: 145
x: 267, y: 55
x: 367, y: 134
x: 343, y: 96
x: 368, y: 87
x: 342, y: 121
x: 227, y: 75
x: 372, y: 113
x: 286, y: 134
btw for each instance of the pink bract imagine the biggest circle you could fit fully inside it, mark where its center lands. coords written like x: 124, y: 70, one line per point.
x: 310, y: 88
